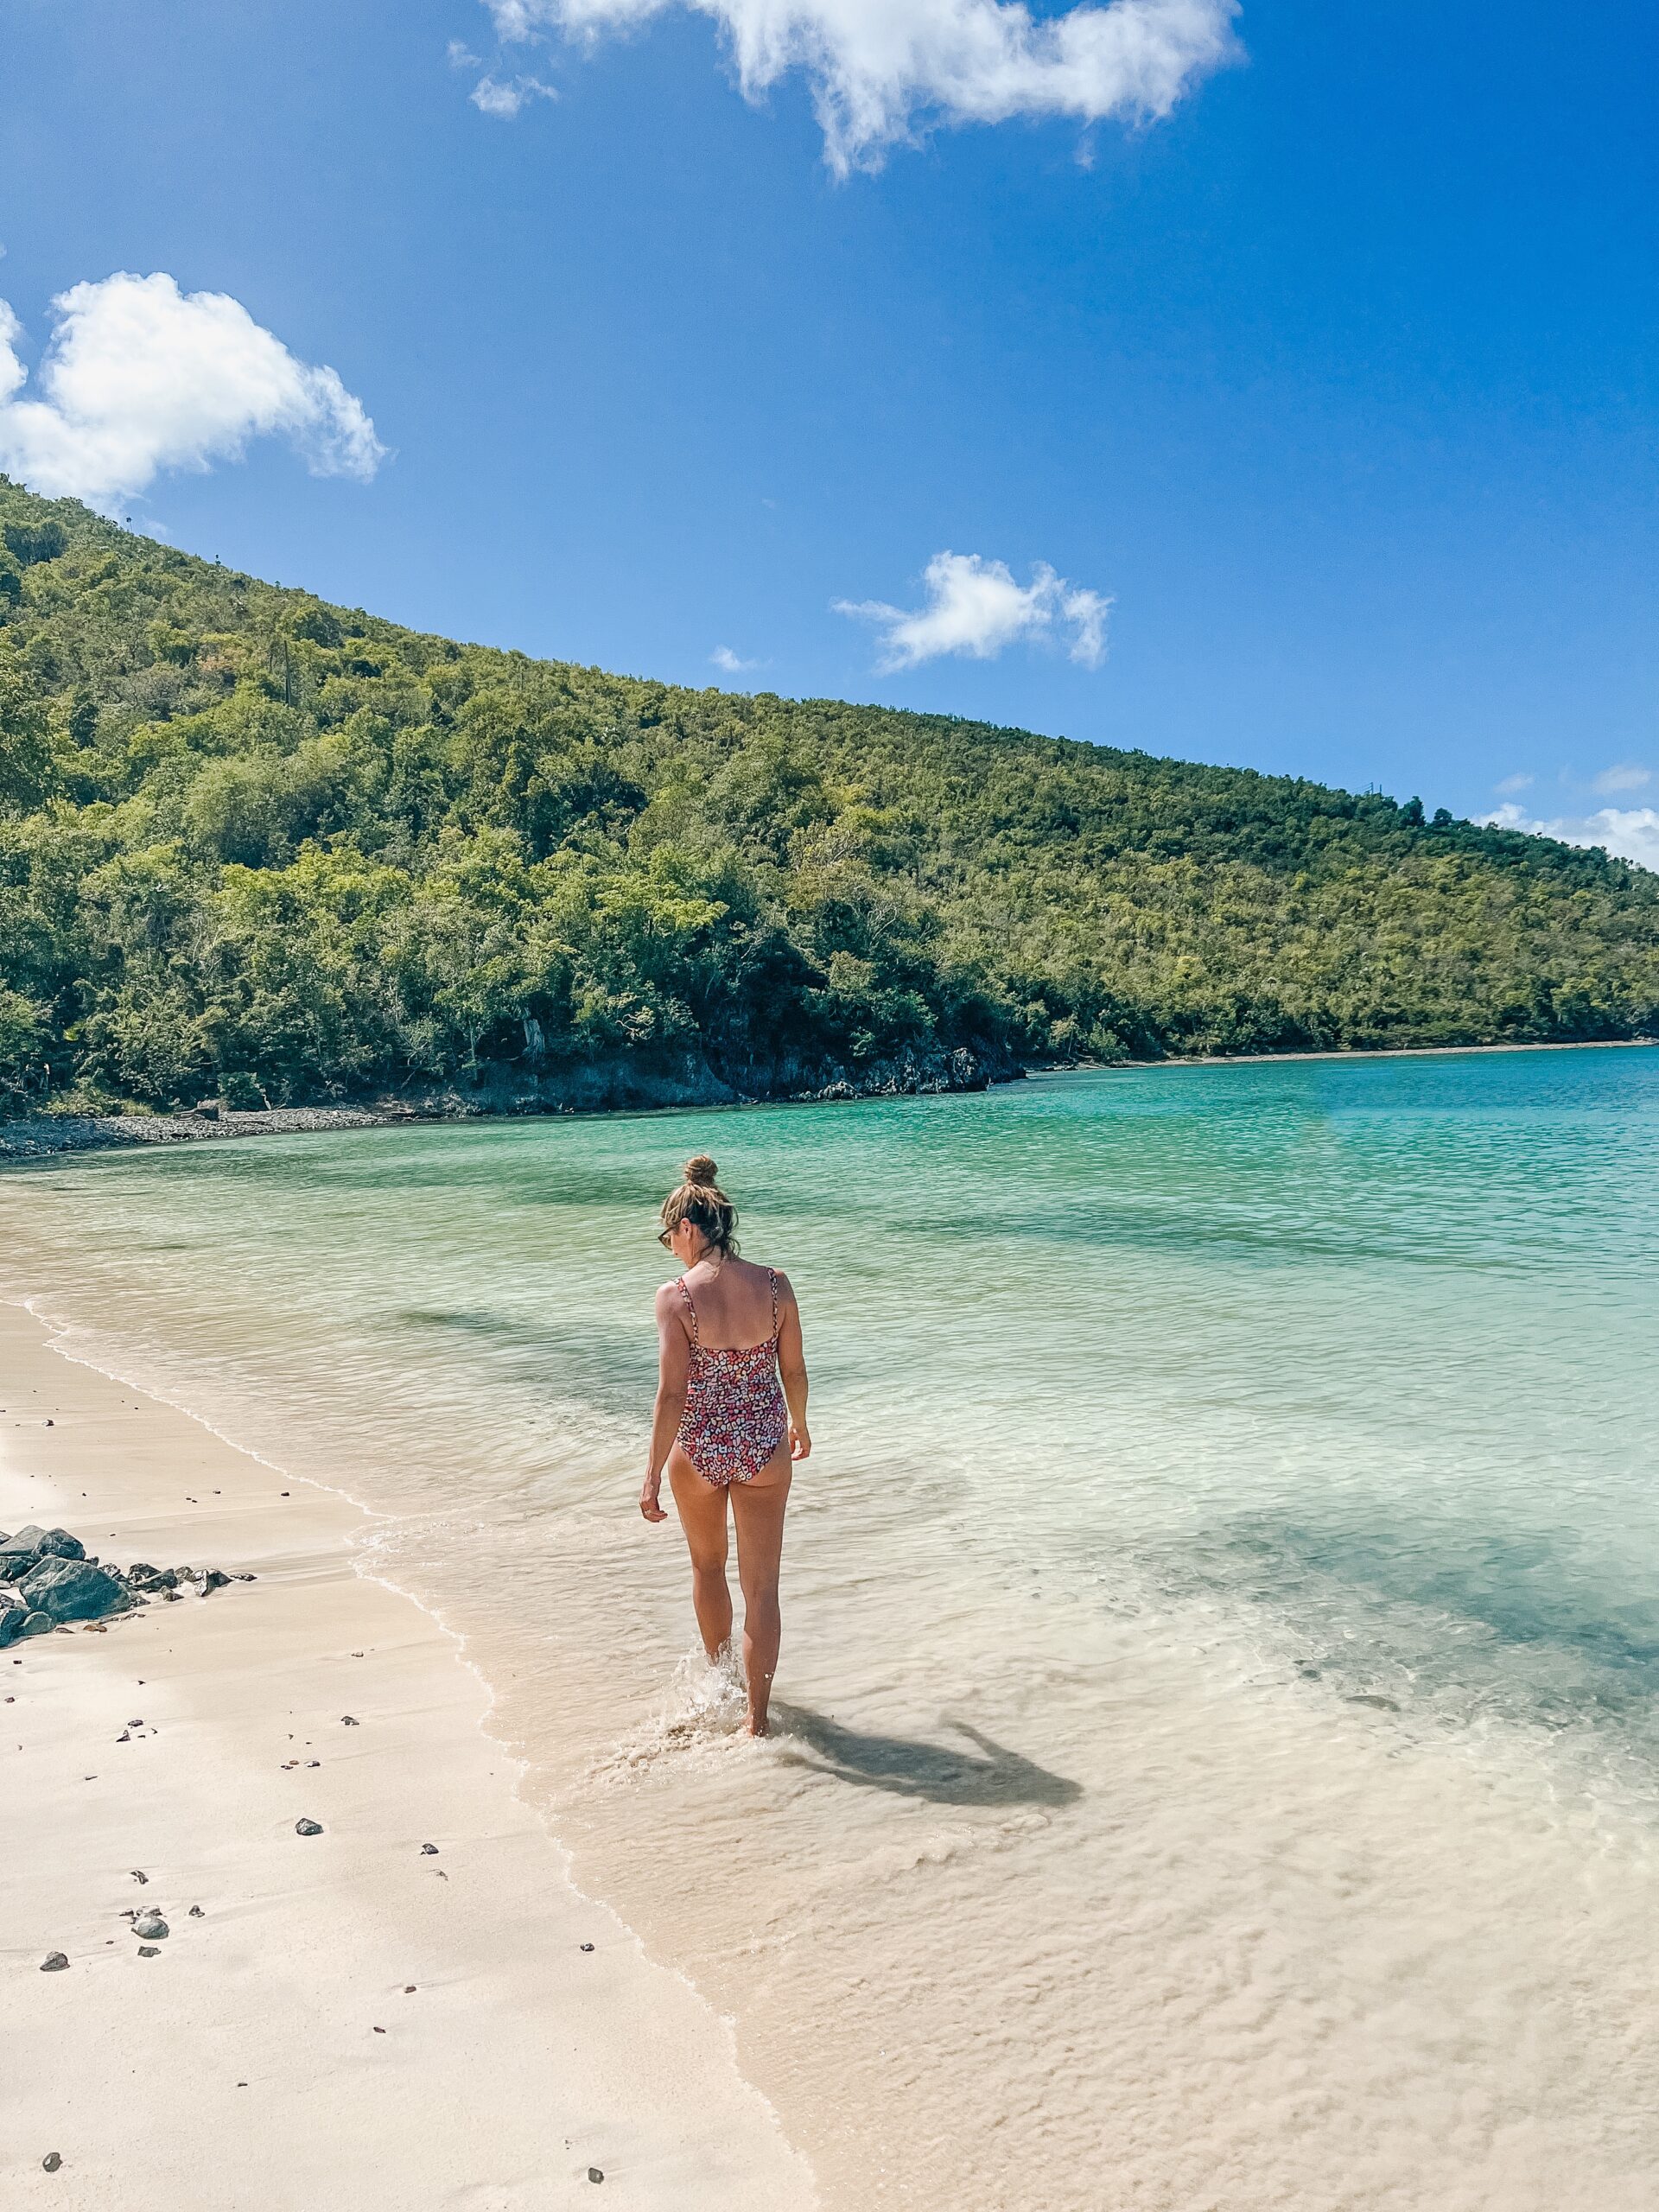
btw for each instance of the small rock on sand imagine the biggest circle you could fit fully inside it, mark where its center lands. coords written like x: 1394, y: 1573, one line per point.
x: 594, y: 2174
x: 429, y: 1851
x: 196, y: 1913
x: 54, y: 1962
x: 51, y: 2161
x: 150, y: 1951
x: 151, y: 1926
x: 308, y: 1827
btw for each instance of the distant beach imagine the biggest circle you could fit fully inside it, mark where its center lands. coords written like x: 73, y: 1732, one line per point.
x: 37, y: 1137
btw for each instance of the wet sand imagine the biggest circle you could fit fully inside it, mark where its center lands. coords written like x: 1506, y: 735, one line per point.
x: 352, y: 2021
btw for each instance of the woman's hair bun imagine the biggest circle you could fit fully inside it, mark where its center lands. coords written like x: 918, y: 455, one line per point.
x: 702, y: 1202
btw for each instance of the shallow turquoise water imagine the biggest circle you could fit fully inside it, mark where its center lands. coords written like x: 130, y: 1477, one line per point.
x: 1161, y: 1415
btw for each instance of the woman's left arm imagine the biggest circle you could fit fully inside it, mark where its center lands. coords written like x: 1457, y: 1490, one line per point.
x: 673, y: 1362
x: 791, y: 1369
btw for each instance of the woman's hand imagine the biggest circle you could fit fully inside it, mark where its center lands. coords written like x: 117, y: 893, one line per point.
x: 651, y: 1492
x: 800, y: 1444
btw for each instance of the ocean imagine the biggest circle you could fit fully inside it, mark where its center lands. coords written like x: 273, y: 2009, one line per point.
x: 1217, y: 1762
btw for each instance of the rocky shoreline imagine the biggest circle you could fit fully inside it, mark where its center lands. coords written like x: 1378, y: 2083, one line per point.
x: 615, y: 1088
x: 38, y: 1136
x: 48, y: 1580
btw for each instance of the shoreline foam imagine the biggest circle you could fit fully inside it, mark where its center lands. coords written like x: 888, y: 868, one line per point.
x: 242, y: 2064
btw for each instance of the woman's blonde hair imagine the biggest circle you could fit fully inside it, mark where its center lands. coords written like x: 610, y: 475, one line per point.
x: 701, y: 1201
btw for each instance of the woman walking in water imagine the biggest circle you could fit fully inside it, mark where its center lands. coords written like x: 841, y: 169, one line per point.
x: 727, y: 1330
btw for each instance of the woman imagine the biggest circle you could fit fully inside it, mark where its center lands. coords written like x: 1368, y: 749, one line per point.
x: 727, y: 1331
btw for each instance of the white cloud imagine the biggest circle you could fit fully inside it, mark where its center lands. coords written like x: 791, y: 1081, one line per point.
x: 975, y: 607
x: 462, y: 56
x: 882, y: 69
x: 505, y: 98
x: 1514, y: 783
x: 1631, y: 832
x: 1625, y: 777
x: 723, y: 657
x: 139, y: 377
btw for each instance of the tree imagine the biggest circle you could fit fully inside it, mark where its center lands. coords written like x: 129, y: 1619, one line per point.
x: 30, y: 542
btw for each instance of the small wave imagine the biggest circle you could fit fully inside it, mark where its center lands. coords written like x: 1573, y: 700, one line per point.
x: 703, y: 1710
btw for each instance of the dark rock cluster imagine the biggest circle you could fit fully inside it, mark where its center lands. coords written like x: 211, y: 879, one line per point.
x: 48, y: 1581
x: 36, y: 1137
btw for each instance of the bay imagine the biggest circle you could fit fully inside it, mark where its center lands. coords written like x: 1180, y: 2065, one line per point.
x: 1217, y: 1761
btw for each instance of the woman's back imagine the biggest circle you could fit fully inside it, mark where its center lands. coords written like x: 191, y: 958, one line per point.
x: 735, y: 1305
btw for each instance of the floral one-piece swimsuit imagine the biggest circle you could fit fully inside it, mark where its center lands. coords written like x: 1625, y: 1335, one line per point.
x: 734, y: 1416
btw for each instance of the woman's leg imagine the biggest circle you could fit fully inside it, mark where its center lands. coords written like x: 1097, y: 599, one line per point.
x: 702, y: 1516
x: 758, y: 1508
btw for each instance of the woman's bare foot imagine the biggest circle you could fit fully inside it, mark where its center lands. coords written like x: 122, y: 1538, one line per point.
x: 756, y: 1728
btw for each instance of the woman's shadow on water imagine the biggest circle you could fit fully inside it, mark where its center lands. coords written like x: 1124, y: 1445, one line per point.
x: 937, y: 1771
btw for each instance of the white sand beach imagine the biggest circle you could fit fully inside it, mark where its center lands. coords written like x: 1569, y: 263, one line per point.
x: 352, y: 2021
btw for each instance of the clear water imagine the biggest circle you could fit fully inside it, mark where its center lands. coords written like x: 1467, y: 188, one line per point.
x: 1219, y: 1763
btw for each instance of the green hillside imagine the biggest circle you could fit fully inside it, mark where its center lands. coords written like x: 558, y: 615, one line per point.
x: 249, y: 842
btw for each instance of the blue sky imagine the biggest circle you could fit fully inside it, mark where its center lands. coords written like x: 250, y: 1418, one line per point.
x: 1336, y: 378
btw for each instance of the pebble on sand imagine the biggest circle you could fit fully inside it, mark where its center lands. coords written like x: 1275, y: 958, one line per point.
x: 308, y: 1827
x: 429, y: 1851
x: 594, y: 2174
x: 150, y: 1951
x: 51, y: 2161
x: 54, y: 1962
x: 151, y: 1926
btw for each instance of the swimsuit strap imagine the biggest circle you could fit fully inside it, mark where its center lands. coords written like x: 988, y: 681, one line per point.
x: 772, y: 1277
x: 696, y: 1343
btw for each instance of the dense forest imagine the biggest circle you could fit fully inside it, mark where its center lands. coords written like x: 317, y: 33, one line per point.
x: 257, y: 846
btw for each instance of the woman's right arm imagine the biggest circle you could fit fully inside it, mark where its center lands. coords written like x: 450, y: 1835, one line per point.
x: 792, y: 1369
x: 673, y: 1362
